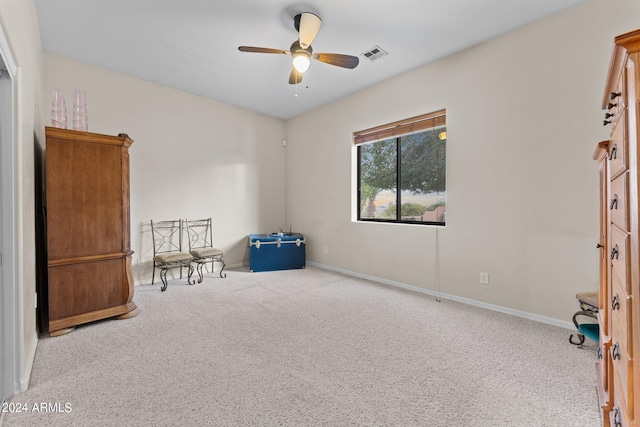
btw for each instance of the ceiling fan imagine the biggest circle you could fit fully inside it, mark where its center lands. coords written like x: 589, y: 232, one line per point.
x: 307, y: 24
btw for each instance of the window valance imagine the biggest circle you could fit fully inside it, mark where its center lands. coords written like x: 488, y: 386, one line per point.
x: 401, y: 127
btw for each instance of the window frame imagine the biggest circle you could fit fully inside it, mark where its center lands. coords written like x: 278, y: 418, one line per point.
x: 396, y: 130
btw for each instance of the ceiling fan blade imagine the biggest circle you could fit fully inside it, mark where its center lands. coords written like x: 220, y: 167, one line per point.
x: 344, y: 61
x: 261, y: 50
x: 309, y: 27
x: 295, y: 77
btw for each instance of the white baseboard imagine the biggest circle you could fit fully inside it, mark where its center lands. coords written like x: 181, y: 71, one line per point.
x: 493, y: 307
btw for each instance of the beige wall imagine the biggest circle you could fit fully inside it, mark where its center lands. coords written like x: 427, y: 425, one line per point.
x: 192, y: 157
x: 20, y: 26
x: 523, y: 120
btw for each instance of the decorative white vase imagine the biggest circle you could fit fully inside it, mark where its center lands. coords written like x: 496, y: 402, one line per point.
x: 58, y: 109
x: 80, y: 111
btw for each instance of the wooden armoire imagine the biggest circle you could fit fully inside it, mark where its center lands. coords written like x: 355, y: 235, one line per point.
x: 619, y: 293
x: 87, y: 228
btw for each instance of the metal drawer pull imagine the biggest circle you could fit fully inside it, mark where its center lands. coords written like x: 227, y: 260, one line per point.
x: 617, y: 417
x: 614, y: 95
x: 606, y: 122
x: 614, y: 202
x: 615, y: 252
x: 610, y: 106
x: 615, y: 303
x: 615, y: 352
x: 614, y: 152
x: 607, y: 115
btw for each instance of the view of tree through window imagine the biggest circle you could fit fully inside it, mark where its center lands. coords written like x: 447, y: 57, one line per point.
x: 402, y: 179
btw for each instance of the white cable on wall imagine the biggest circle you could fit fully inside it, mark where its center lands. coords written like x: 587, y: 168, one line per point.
x: 437, y: 291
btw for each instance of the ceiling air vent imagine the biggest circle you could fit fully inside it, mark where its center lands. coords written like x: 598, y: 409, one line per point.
x: 374, y: 53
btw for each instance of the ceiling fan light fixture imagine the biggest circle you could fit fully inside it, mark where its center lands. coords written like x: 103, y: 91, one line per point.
x: 307, y: 24
x: 301, y: 61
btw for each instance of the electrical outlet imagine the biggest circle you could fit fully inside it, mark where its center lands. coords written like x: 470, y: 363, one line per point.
x: 326, y: 250
x: 484, y: 278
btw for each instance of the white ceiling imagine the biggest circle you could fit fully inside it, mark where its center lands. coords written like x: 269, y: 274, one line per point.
x: 192, y: 45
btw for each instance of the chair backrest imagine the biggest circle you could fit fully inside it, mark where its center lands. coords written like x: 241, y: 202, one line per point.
x: 167, y: 236
x: 200, y: 233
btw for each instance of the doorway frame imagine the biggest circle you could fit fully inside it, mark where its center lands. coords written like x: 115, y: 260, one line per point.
x: 8, y: 222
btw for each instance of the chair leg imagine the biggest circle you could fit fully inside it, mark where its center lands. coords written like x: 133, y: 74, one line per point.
x: 223, y: 266
x: 199, y: 267
x: 163, y: 277
x: 580, y: 339
x: 189, y: 281
x: 190, y: 271
x: 153, y: 274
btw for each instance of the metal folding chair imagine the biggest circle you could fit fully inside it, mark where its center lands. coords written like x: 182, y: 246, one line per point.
x: 167, y: 249
x: 201, y: 247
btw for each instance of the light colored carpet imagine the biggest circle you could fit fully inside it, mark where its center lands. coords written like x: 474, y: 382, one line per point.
x: 310, y: 348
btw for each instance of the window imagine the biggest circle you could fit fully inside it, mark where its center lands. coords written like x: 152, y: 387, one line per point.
x: 402, y: 171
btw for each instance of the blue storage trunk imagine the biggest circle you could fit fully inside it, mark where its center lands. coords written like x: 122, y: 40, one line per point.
x: 276, y: 251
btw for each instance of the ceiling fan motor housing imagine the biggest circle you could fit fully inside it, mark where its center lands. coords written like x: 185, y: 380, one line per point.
x: 296, y: 48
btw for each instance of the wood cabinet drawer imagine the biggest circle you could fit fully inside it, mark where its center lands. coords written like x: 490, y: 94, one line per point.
x: 622, y: 409
x: 618, y: 153
x: 619, y: 201
x: 618, y: 255
x: 85, y: 287
x: 621, y: 311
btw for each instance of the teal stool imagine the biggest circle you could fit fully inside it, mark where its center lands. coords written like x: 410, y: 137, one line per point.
x: 589, y: 309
